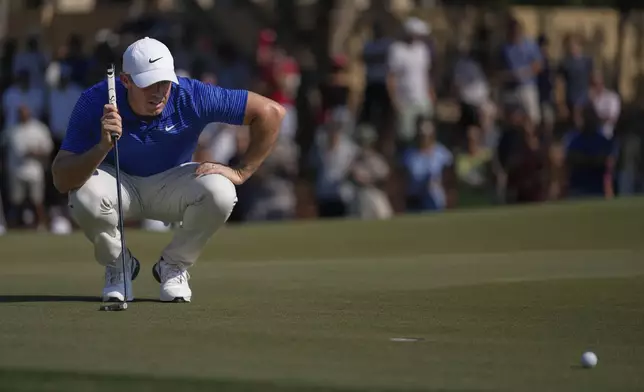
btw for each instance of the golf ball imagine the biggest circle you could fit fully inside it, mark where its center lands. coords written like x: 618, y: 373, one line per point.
x: 589, y: 360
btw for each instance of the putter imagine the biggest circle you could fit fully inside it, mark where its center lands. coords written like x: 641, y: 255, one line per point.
x: 111, y: 91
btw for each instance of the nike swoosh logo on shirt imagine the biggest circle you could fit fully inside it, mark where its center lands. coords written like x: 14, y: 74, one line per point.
x: 155, y: 60
x: 170, y: 127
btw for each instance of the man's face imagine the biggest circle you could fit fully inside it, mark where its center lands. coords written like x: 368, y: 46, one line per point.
x: 148, y: 101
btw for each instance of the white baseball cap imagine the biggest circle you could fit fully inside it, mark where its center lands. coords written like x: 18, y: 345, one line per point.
x: 149, y: 61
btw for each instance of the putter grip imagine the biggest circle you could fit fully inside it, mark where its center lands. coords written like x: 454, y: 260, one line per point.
x: 111, y: 90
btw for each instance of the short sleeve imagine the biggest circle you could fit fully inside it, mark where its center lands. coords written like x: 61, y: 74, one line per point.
x: 218, y: 104
x: 447, y: 157
x: 392, y: 58
x: 46, y: 143
x: 536, y: 52
x: 83, y: 129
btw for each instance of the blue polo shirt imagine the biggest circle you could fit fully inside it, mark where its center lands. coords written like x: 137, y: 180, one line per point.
x: 517, y: 56
x: 153, y: 145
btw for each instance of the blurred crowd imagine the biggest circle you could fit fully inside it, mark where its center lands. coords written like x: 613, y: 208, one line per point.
x: 529, y: 128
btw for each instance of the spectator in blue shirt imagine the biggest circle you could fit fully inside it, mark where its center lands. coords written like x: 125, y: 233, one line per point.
x: 590, y: 157
x: 576, y: 70
x: 429, y: 170
x: 520, y: 63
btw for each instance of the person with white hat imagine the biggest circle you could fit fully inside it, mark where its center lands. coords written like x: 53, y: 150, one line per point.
x: 409, y: 81
x: 158, y: 120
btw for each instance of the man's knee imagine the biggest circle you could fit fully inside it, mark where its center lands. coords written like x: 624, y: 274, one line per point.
x: 219, y: 194
x: 90, y: 202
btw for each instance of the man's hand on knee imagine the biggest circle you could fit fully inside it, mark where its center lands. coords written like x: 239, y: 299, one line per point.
x: 235, y: 176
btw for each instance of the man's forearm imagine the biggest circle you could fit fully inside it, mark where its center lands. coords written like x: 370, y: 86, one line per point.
x: 71, y: 171
x: 264, y: 130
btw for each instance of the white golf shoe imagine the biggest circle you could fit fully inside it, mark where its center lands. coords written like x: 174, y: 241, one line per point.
x: 174, y: 282
x: 116, y: 281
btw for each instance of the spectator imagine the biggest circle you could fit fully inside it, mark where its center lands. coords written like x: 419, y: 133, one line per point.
x: 527, y: 167
x: 218, y: 143
x: 376, y: 104
x: 33, y: 61
x: 281, y: 77
x: 22, y: 93
x: 512, y: 130
x: 335, y: 90
x: 273, y: 185
x: 369, y: 172
x: 61, y: 101
x: 521, y: 61
x: 76, y: 60
x: 331, y: 160
x: 473, y: 164
x: 590, y: 157
x: 606, y: 103
x: 429, y: 171
x: 409, y: 81
x: 630, y: 161
x: 545, y: 83
x: 473, y: 92
x: 575, y: 70
x: 9, y: 49
x: 29, y: 149
x: 55, y: 67
x: 232, y: 71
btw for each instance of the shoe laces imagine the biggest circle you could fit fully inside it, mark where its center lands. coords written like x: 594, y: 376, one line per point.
x: 173, y: 274
x: 114, y: 274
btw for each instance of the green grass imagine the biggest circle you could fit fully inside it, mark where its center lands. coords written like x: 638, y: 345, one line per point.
x: 501, y: 299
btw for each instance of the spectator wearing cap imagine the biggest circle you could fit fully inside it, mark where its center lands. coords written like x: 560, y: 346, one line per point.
x: 409, y: 81
x: 520, y: 63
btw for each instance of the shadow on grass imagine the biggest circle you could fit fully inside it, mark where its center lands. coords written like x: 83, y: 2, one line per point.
x: 19, y: 380
x: 59, y: 298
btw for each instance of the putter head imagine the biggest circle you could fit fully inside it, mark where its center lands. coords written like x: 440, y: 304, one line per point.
x: 113, y: 307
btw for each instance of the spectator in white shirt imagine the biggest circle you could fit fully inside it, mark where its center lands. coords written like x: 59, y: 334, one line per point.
x: 331, y: 159
x: 409, y: 83
x: 22, y: 93
x: 471, y: 85
x: 29, y: 146
x: 607, y: 104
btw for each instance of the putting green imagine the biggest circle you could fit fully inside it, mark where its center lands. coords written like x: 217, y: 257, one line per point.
x: 499, y: 299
